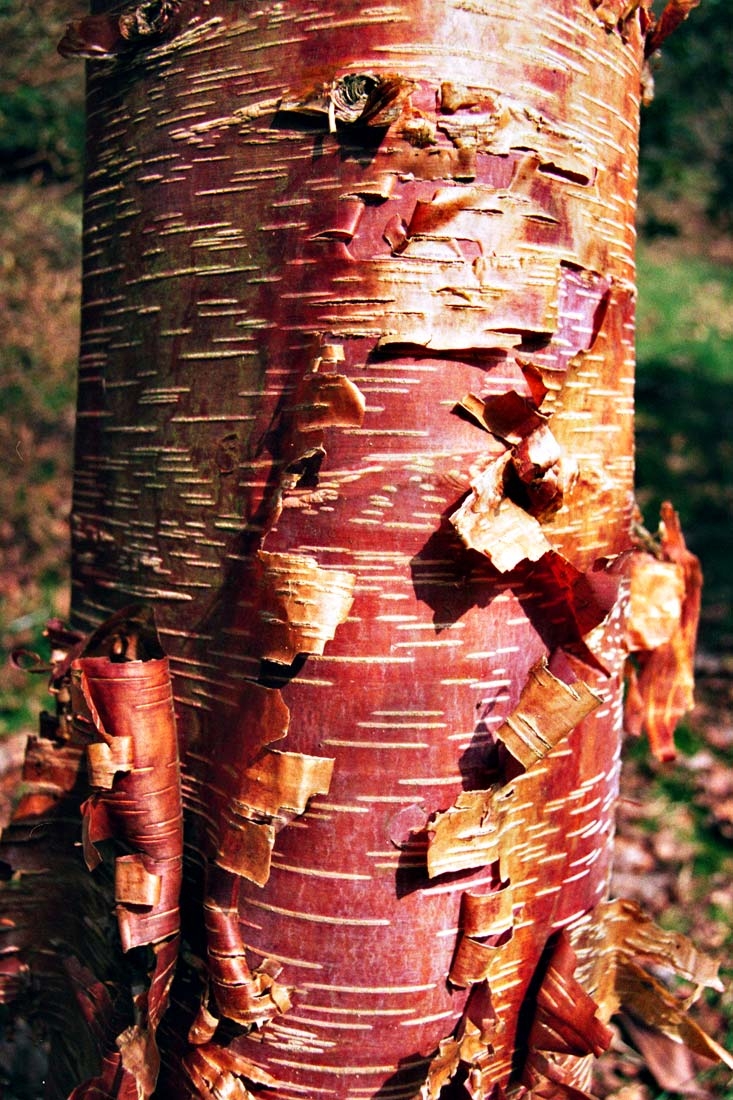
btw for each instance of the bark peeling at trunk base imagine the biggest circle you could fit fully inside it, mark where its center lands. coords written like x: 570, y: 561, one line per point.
x: 355, y: 419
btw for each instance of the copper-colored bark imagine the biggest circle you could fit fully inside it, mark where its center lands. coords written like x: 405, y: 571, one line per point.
x: 661, y: 632
x: 355, y: 418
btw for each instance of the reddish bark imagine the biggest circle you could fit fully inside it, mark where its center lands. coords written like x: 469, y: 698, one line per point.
x: 309, y: 235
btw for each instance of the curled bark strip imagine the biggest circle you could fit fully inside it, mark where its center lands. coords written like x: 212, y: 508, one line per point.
x: 250, y: 997
x: 485, y: 919
x: 487, y: 914
x: 665, y: 607
x: 472, y: 963
x: 548, y: 710
x: 205, y: 1024
x: 510, y: 416
x: 138, y: 799
x: 345, y: 224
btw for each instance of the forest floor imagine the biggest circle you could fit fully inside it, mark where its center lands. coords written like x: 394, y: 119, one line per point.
x: 675, y: 824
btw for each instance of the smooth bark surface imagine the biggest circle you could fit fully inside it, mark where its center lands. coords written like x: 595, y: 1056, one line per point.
x: 355, y: 420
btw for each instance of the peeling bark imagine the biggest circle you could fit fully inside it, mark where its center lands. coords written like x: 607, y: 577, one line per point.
x: 355, y: 420
x: 661, y: 635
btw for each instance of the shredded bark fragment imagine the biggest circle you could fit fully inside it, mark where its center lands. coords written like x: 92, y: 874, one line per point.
x: 139, y: 1057
x: 246, y: 846
x: 613, y: 13
x: 452, y: 97
x: 543, y: 472
x: 471, y: 833
x: 547, y: 711
x: 656, y: 595
x: 51, y: 771
x: 470, y: 1047
x: 321, y: 400
x: 246, y: 836
x: 443, y: 1067
x: 277, y: 784
x: 661, y: 678
x: 643, y: 995
x: 367, y: 98
x: 299, y: 605
x: 566, y: 1020
x: 634, y: 935
x: 280, y: 781
x: 553, y: 1078
x: 354, y: 99
x: 467, y: 835
x: 494, y: 525
x: 217, y: 1073
x: 615, y: 943
x: 675, y: 12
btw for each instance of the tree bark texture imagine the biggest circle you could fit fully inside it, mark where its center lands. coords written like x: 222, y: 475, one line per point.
x: 355, y: 420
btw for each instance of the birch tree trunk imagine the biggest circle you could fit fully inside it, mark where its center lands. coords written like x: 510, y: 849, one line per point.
x: 355, y: 422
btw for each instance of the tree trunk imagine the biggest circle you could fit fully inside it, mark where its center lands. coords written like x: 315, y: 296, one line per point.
x: 355, y: 422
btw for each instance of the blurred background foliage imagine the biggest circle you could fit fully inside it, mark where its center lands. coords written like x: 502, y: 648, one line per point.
x: 687, y: 138
x: 41, y: 94
x: 676, y: 821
